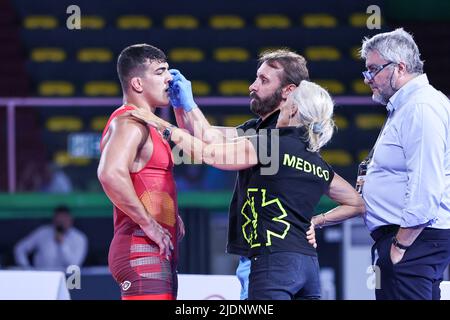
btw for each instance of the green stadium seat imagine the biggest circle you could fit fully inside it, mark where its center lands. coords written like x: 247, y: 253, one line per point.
x: 63, y: 123
x: 317, y: 53
x: 369, y: 121
x: 333, y: 86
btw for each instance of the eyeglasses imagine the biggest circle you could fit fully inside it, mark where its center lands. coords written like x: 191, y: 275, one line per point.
x: 370, y: 75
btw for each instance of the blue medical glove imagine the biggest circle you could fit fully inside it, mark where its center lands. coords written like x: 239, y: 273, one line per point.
x: 180, y: 92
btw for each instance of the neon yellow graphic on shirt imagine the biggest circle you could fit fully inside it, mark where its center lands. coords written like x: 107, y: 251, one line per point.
x: 251, y: 237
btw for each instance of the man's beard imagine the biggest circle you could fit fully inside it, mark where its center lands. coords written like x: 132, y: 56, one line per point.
x: 261, y: 107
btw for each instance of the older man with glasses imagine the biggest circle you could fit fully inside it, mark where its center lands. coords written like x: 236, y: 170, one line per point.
x: 406, y: 187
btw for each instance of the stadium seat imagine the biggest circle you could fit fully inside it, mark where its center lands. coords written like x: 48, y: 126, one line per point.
x: 63, y: 159
x: 362, y: 154
x: 92, y: 22
x: 98, y: 123
x: 63, y: 123
x: 272, y: 21
x: 186, y: 55
x: 40, y: 22
x: 231, y: 54
x: 234, y: 87
x: 180, y: 22
x: 359, y: 87
x: 226, y: 22
x: 48, y: 54
x: 369, y: 121
x: 354, y: 52
x: 94, y: 55
x: 316, y: 53
x: 333, y: 86
x: 340, y: 122
x: 235, y: 120
x: 337, y: 157
x: 200, y: 88
x: 101, y: 88
x: 320, y: 20
x: 56, y: 88
x: 134, y: 22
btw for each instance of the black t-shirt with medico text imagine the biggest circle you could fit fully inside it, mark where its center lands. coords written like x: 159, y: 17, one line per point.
x: 282, y: 193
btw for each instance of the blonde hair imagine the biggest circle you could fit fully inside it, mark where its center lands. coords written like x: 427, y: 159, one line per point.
x: 315, y: 112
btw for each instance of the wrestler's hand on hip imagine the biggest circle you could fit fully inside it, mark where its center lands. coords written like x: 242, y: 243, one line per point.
x: 180, y: 230
x: 161, y: 236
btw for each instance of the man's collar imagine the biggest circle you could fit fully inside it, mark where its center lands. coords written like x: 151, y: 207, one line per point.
x: 270, y: 120
x: 403, y: 93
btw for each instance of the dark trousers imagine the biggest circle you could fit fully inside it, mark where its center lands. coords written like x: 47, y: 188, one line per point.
x: 420, y: 272
x: 284, y: 276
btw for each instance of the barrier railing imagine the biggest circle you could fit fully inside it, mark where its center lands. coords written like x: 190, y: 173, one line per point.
x: 12, y: 103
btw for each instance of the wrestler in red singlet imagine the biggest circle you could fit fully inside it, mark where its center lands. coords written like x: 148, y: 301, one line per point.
x: 134, y: 259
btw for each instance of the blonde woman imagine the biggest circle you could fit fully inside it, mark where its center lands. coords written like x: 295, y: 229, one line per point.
x: 280, y: 203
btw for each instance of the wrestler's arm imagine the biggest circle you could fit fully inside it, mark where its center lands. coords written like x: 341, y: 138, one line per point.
x: 122, y: 142
x: 351, y: 203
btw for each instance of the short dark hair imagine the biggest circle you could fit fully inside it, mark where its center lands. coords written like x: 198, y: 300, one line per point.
x: 293, y: 64
x: 133, y: 59
x: 61, y: 209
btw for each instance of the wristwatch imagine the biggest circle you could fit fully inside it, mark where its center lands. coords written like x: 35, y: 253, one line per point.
x: 167, y: 133
x: 398, y: 244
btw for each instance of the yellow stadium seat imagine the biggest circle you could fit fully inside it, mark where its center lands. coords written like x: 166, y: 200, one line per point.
x: 63, y: 158
x: 269, y: 21
x: 101, y: 88
x: 354, y: 52
x: 40, y: 22
x: 235, y: 120
x: 134, y: 22
x: 359, y: 19
x: 321, y: 20
x: 234, y: 87
x: 98, y: 123
x: 369, y: 121
x: 92, y: 22
x: 341, y: 122
x: 360, y: 87
x: 48, y: 55
x: 362, y: 155
x: 56, y: 88
x: 64, y: 123
x: 226, y: 22
x: 186, y: 54
x: 337, y: 157
x: 333, y: 86
x: 94, y: 55
x: 322, y: 53
x: 231, y: 54
x: 180, y: 22
x: 200, y: 88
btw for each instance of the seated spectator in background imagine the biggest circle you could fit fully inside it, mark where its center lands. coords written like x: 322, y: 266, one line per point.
x: 44, y: 177
x: 55, y: 246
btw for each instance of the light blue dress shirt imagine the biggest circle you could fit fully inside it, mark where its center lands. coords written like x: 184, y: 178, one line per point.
x: 408, y: 179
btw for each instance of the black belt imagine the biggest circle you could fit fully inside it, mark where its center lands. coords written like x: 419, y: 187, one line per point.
x: 379, y: 232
